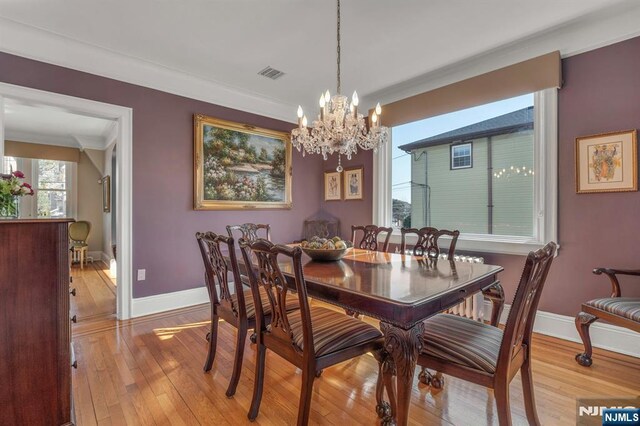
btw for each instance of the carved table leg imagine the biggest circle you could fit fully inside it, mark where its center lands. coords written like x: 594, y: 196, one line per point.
x: 404, y: 347
x: 495, y: 294
x: 583, y: 322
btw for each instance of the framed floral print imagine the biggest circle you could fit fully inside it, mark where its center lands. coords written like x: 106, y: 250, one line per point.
x: 607, y: 162
x: 353, y: 184
x: 238, y: 166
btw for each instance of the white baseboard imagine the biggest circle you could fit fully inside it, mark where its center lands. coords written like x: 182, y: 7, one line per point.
x: 105, y: 258
x: 603, y: 335
x: 168, y: 301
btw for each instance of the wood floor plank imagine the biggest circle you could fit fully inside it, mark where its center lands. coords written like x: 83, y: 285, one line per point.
x: 148, y: 371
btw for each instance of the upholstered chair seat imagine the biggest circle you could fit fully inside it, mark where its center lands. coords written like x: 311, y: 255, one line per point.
x: 626, y: 307
x: 292, y: 302
x: 332, y: 331
x: 462, y: 341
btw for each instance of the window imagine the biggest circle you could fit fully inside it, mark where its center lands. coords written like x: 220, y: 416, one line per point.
x: 488, y: 171
x: 461, y: 156
x: 52, y: 188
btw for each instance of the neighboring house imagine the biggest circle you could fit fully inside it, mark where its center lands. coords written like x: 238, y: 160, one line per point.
x: 476, y: 178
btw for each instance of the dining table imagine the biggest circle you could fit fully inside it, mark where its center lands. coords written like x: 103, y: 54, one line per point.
x: 400, y: 291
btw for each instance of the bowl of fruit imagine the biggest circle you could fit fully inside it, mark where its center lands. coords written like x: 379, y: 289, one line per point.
x: 325, y: 249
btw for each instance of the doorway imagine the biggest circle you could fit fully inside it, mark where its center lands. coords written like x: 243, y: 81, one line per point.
x: 119, y: 133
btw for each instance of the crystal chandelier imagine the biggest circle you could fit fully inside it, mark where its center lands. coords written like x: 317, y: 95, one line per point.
x: 339, y: 128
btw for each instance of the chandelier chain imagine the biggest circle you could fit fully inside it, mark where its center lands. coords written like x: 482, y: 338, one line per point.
x: 338, y: 49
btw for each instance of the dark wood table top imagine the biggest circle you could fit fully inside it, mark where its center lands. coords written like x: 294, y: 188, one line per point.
x: 399, y: 289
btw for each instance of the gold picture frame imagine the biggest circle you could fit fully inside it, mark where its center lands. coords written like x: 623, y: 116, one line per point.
x: 239, y: 166
x: 332, y: 186
x: 106, y: 194
x: 353, y: 183
x: 607, y: 162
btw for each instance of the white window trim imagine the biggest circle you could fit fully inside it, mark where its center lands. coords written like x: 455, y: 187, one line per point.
x: 453, y: 147
x: 545, y: 189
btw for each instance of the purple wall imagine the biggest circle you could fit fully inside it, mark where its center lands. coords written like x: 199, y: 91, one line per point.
x: 600, y: 94
x: 164, y: 222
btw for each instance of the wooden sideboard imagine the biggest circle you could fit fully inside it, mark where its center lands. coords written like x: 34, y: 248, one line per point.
x: 35, y: 336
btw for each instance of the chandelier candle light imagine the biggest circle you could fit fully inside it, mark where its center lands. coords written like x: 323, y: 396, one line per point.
x: 339, y: 127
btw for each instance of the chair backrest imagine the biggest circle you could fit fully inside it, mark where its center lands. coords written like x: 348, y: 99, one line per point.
x: 79, y: 231
x: 369, y: 239
x: 427, y: 243
x: 217, y: 270
x: 519, y: 326
x: 269, y: 277
x: 323, y: 228
x: 250, y: 231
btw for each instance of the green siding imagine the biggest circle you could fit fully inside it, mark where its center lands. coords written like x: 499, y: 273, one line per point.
x: 459, y: 198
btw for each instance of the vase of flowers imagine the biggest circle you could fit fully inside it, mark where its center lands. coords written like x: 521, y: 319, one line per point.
x: 12, y: 187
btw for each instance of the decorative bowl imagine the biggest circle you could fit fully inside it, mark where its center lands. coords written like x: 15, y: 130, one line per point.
x: 326, y: 255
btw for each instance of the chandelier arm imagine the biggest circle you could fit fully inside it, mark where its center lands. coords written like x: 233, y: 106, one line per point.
x: 338, y: 49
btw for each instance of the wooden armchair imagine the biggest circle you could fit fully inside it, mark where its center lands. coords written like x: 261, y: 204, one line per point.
x: 617, y: 310
x: 237, y: 311
x: 370, y: 235
x: 312, y: 338
x: 427, y: 243
x: 486, y: 355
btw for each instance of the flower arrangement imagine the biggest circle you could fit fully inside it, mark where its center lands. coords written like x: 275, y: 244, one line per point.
x: 12, y: 186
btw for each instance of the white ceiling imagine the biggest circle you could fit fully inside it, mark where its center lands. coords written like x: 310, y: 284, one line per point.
x: 385, y: 43
x: 53, y: 126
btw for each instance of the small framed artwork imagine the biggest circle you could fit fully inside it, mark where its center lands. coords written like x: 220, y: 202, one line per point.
x: 106, y: 194
x: 332, y: 186
x: 238, y: 166
x: 607, y: 162
x: 353, y: 184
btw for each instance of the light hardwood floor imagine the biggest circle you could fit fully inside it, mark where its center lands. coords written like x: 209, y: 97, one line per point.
x: 149, y: 371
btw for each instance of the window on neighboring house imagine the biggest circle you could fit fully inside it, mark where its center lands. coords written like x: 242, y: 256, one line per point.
x: 487, y: 171
x: 461, y: 156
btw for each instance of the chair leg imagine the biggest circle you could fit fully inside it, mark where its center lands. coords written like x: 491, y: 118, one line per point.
x: 82, y: 259
x: 258, y: 382
x: 501, y: 393
x: 388, y: 377
x: 237, y: 363
x: 212, y: 337
x: 583, y: 322
x: 383, y: 409
x: 308, y: 375
x: 529, y: 396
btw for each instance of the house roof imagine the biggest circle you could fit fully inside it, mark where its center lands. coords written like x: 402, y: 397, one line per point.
x: 521, y: 119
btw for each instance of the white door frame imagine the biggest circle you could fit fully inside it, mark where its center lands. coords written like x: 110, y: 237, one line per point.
x: 124, y: 170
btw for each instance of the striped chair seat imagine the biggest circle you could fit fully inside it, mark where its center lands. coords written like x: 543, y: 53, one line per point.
x: 626, y: 307
x: 292, y: 302
x: 332, y: 331
x: 462, y: 341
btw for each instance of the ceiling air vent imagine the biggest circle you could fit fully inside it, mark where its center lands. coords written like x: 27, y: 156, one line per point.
x: 271, y: 73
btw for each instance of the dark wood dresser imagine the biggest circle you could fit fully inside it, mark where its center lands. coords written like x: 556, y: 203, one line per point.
x: 35, y: 336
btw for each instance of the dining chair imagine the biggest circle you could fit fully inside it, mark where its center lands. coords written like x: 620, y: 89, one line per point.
x: 486, y: 355
x: 311, y: 338
x: 237, y: 311
x: 250, y: 231
x: 427, y: 241
x: 78, y: 235
x: 370, y: 235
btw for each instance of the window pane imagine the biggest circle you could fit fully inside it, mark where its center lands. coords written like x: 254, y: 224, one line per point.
x: 484, y: 186
x: 10, y: 164
x: 52, y: 203
x: 51, y: 174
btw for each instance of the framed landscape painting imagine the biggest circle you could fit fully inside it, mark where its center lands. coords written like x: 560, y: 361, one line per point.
x: 607, y: 162
x: 238, y: 166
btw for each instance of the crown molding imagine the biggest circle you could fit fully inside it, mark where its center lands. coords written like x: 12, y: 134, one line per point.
x: 37, y: 44
x: 598, y: 29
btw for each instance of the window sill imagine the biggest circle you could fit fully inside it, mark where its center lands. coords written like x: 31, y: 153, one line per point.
x: 478, y: 243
